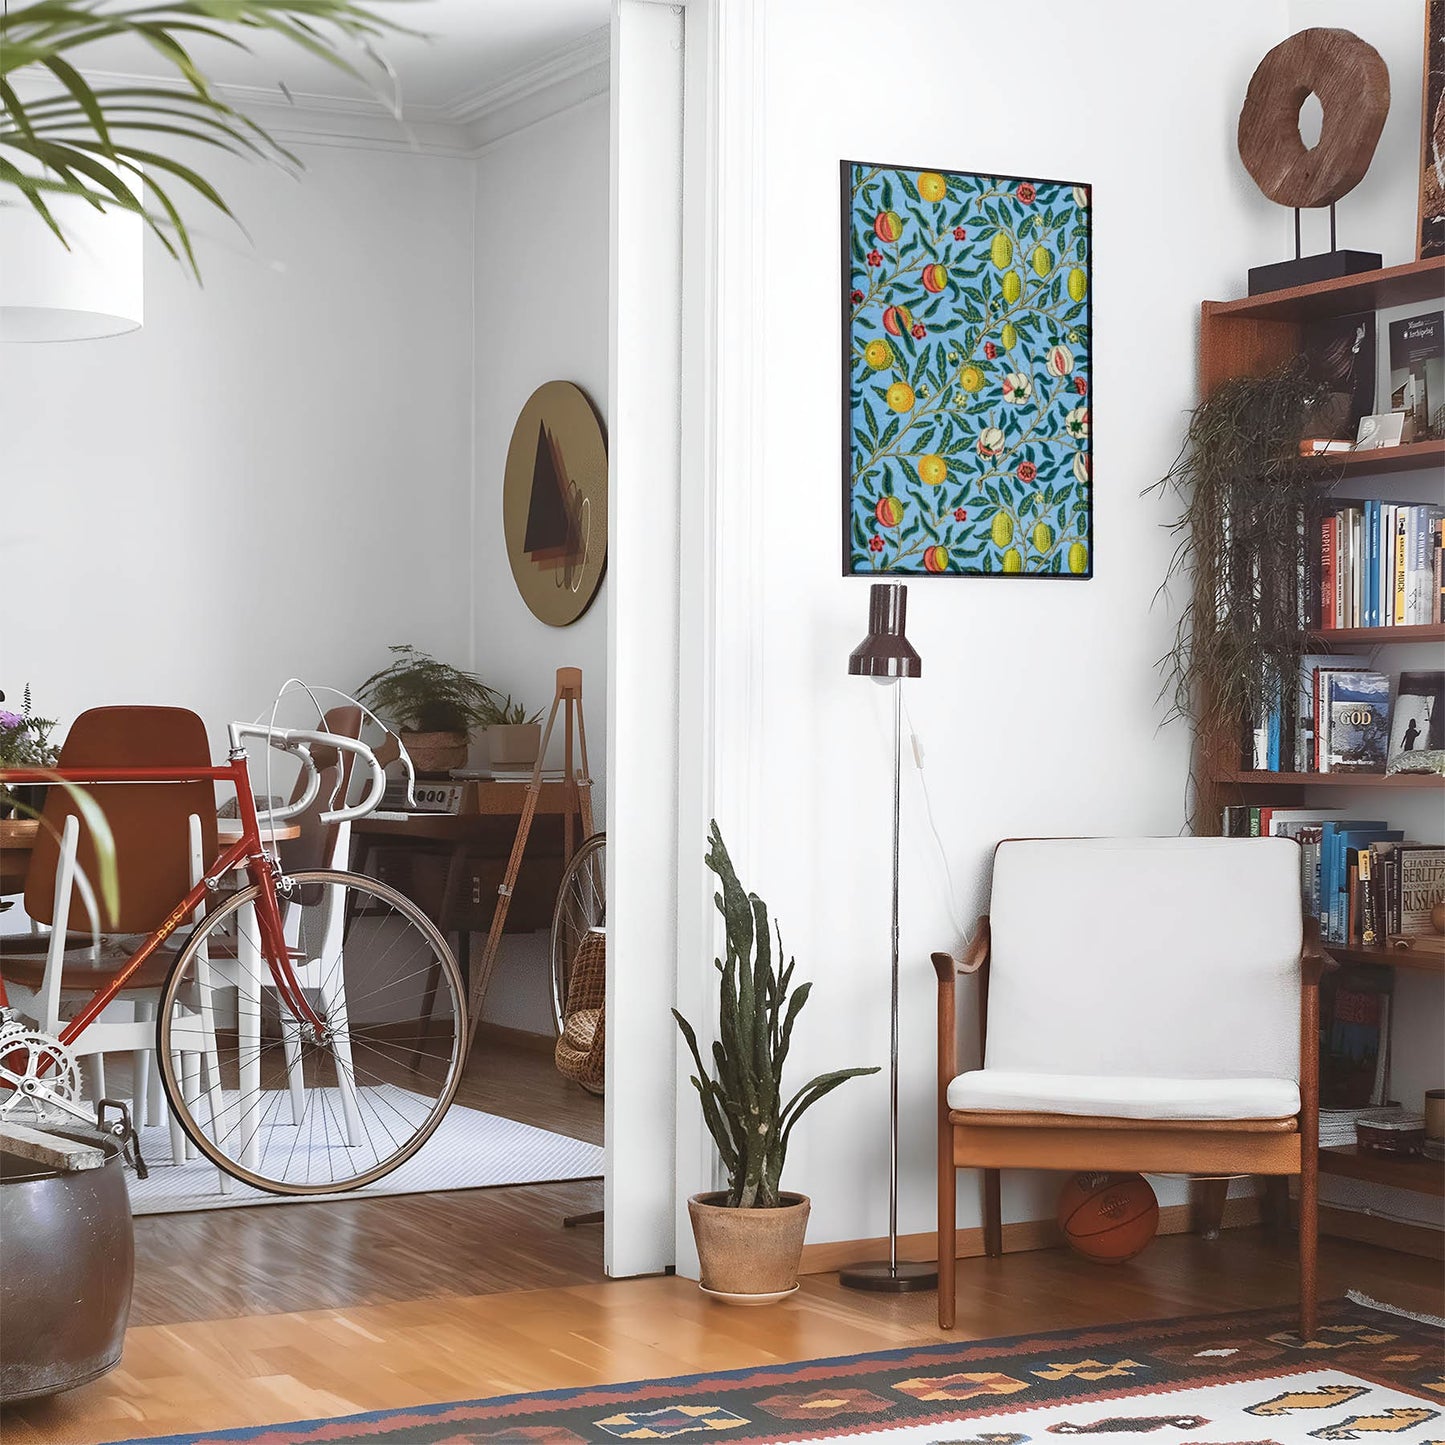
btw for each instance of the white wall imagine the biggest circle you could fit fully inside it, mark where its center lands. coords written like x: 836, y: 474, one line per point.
x: 1037, y: 707
x: 302, y: 421
x: 541, y: 278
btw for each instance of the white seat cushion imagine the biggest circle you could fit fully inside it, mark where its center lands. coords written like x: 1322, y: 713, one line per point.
x: 1119, y: 1097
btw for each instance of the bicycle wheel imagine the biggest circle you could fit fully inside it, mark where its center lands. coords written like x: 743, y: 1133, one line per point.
x: 287, y: 1108
x: 581, y: 904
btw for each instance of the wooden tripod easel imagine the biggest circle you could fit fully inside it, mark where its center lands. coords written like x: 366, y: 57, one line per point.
x: 578, y: 784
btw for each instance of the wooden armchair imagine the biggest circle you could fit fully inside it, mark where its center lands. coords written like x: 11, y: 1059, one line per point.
x: 1145, y: 1004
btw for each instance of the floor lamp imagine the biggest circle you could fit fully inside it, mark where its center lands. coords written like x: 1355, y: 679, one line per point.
x: 886, y: 656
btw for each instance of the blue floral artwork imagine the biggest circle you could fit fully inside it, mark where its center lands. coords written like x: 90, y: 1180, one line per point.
x: 966, y: 338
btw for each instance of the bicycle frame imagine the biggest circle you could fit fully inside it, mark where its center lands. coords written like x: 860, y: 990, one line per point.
x: 248, y: 850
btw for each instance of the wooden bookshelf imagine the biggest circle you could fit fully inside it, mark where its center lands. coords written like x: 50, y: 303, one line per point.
x: 1253, y: 336
x: 1378, y: 636
x: 1422, y: 961
x: 1381, y: 461
x: 1408, y: 1171
x: 1246, y: 778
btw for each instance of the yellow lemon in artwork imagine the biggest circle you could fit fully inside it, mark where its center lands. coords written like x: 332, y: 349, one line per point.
x: 1043, y: 537
x: 900, y: 396
x: 1012, y: 287
x: 1009, y: 336
x: 932, y: 186
x: 1013, y: 561
x: 1001, y: 251
x: 1042, y: 260
x: 1002, y: 530
x: 932, y: 469
x: 1078, y: 559
x: 1078, y: 284
x: 878, y: 354
x: 971, y: 378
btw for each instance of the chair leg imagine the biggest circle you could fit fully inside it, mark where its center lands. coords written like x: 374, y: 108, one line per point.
x: 1308, y: 1244
x: 1207, y: 1198
x: 947, y: 1226
x: 992, y: 1214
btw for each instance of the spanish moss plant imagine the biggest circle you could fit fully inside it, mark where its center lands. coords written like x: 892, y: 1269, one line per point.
x: 743, y: 1104
x: 1242, y: 546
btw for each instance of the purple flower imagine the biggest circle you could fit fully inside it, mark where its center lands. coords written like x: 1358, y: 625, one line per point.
x: 11, y: 719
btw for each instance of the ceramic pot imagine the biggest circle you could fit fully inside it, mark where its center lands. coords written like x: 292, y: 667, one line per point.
x: 434, y: 755
x: 749, y: 1256
x: 69, y: 1264
x: 513, y: 745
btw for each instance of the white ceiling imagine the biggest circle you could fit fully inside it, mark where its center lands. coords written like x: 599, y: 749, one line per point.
x: 470, y: 47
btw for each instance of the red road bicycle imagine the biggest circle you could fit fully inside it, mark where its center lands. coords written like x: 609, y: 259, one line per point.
x: 311, y: 1028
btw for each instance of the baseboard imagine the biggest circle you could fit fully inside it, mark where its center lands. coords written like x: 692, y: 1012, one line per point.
x: 518, y: 1038
x: 1022, y: 1235
x: 1387, y: 1233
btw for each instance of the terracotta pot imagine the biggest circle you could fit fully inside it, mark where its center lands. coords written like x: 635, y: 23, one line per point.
x: 749, y: 1251
x: 513, y: 745
x: 434, y: 755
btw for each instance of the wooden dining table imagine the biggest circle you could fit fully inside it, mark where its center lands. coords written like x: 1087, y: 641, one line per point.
x: 18, y: 835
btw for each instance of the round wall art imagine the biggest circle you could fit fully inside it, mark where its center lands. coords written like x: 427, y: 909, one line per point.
x: 554, y: 503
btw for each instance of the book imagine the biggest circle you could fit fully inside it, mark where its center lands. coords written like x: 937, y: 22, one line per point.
x: 1420, y: 589
x: 1355, y: 1038
x: 1340, y: 354
x: 1419, y: 884
x: 1417, y: 721
x: 1305, y: 760
x: 1417, y: 369
x: 1397, y: 605
x: 1355, y: 716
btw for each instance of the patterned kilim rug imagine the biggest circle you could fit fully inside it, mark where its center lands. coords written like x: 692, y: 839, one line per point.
x: 1238, y: 1379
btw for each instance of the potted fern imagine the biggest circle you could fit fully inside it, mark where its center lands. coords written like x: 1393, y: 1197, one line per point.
x: 434, y: 704
x: 750, y: 1235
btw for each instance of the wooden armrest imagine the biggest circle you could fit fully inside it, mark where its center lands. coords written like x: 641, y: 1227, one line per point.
x: 1313, y: 960
x: 974, y: 958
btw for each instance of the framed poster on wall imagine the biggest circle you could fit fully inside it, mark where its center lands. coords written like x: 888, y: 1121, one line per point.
x: 966, y: 356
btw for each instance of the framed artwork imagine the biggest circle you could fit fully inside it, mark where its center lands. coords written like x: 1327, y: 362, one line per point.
x: 966, y: 348
x: 554, y: 503
x: 1432, y: 137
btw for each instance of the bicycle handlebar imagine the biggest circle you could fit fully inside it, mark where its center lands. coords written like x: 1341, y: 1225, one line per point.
x: 300, y: 741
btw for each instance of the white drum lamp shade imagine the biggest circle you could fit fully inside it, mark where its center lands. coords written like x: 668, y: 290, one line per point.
x: 48, y: 293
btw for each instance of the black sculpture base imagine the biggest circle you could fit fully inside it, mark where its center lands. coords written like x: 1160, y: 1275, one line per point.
x: 1306, y: 270
x: 881, y: 1278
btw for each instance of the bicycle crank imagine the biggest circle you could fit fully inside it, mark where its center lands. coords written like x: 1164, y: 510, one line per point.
x: 37, y: 1073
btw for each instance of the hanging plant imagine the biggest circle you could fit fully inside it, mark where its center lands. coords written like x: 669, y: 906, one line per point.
x: 1247, y: 494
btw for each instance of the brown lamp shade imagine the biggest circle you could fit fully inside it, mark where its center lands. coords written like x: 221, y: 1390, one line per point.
x: 886, y: 651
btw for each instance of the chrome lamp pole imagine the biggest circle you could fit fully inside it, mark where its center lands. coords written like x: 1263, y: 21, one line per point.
x: 887, y: 657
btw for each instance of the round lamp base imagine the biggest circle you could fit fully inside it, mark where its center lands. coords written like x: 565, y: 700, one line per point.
x: 882, y: 1278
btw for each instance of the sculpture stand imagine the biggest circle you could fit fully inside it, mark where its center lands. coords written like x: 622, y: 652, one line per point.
x: 1306, y: 270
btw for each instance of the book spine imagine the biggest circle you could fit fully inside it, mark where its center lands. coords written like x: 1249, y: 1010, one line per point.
x: 1398, y: 604
x: 1372, y: 564
x: 1369, y: 934
x: 1437, y: 602
x: 1322, y: 722
x: 1341, y: 556
x: 1327, y: 573
x: 1385, y: 599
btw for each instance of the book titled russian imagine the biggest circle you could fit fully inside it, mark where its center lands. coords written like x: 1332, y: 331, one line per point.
x: 1417, y: 369
x: 1357, y: 715
x: 1421, y: 884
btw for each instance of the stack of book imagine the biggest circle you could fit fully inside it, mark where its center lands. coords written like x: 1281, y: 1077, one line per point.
x: 1379, y: 565
x: 1361, y: 878
x: 1347, y: 718
x: 1337, y: 1126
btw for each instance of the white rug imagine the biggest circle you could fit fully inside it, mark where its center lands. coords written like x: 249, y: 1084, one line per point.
x: 470, y: 1150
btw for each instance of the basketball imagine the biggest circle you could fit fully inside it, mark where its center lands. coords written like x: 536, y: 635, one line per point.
x: 1108, y: 1217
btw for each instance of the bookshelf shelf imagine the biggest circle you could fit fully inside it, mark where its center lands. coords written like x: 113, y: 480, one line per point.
x: 1414, y: 1172
x: 1376, y: 636
x: 1365, y: 291
x: 1408, y: 457
x: 1248, y: 779
x: 1421, y: 962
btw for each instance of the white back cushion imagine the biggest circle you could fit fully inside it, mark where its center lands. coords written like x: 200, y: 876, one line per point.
x: 1168, y: 957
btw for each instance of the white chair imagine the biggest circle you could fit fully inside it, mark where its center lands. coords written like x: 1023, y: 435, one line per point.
x: 1145, y: 1004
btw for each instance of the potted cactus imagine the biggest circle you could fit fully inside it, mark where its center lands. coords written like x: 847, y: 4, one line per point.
x: 513, y: 737
x: 750, y: 1235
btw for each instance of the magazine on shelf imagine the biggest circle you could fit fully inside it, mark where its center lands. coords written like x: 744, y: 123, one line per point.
x: 1417, y: 369
x: 1417, y: 721
x: 1355, y: 715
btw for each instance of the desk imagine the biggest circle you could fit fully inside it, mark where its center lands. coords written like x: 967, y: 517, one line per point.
x: 450, y: 864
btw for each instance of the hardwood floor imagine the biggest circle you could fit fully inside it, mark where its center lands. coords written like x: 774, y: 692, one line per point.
x: 261, y: 1370
x: 226, y: 1263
